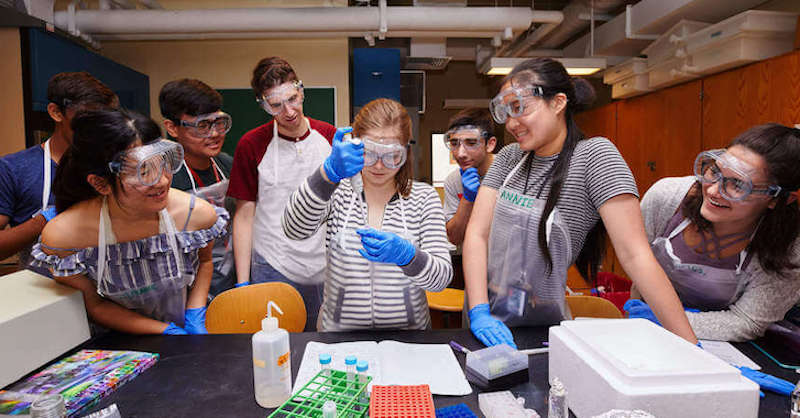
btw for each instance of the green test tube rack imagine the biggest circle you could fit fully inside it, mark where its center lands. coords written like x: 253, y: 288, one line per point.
x: 327, y: 385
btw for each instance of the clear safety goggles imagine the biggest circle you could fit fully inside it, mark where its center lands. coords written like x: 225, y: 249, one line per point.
x: 391, y: 155
x: 289, y: 94
x: 471, y: 139
x: 146, y: 164
x: 708, y: 167
x: 514, y: 102
x: 210, y: 124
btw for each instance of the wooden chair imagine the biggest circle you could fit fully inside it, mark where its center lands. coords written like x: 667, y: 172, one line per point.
x: 592, y: 307
x: 441, y: 303
x: 240, y: 310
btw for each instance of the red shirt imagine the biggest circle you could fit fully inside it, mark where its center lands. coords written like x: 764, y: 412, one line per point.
x: 249, y: 151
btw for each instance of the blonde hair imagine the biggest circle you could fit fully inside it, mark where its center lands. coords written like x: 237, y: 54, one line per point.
x: 383, y: 113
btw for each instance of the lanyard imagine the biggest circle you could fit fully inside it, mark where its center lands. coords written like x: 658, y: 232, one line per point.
x: 195, y: 179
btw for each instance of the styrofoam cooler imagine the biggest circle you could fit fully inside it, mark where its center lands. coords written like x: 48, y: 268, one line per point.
x: 632, y: 364
x: 668, y: 45
x: 749, y: 36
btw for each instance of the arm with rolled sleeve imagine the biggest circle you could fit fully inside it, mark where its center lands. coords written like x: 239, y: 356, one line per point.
x: 431, y: 268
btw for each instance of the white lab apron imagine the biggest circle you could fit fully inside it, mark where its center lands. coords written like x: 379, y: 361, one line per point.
x: 283, y: 168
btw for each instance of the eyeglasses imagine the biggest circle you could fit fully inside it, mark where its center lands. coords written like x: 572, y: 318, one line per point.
x: 145, y: 165
x: 391, y: 155
x: 513, y: 102
x: 286, y: 95
x: 708, y: 170
x: 208, y: 125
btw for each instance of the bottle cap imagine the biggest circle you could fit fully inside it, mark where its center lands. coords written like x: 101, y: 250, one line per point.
x: 350, y: 360
x: 362, y: 366
x: 269, y: 324
x: 324, y: 358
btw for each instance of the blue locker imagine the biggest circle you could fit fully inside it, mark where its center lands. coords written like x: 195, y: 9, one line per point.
x: 376, y: 73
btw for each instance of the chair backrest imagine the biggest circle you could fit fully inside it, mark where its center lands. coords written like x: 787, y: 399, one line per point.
x: 592, y: 307
x: 240, y: 310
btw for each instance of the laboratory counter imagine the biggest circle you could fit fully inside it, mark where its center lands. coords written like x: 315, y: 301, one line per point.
x: 212, y: 375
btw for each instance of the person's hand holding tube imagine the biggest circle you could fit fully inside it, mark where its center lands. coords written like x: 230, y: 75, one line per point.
x: 346, y: 158
x: 385, y: 247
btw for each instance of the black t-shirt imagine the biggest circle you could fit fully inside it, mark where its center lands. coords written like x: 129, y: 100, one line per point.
x: 181, y: 181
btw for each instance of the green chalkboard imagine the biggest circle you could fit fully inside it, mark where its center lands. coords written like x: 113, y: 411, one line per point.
x: 320, y: 104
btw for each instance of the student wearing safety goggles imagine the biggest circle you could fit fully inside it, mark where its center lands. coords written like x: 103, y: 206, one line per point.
x: 542, y: 206
x: 138, y: 250
x: 270, y: 162
x: 728, y: 236
x: 470, y: 139
x: 26, y: 203
x: 193, y: 117
x: 385, y: 233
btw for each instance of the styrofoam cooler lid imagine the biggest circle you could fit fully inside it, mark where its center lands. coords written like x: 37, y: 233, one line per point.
x: 642, y: 353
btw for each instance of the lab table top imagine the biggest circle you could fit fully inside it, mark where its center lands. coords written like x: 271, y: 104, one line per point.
x: 212, y: 375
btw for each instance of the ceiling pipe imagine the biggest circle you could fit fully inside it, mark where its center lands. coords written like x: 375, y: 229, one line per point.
x: 280, y: 35
x: 315, y: 19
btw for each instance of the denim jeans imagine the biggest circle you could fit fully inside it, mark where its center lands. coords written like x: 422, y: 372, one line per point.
x: 261, y: 272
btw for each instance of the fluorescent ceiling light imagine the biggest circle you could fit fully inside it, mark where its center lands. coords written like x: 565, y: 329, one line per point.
x: 574, y: 66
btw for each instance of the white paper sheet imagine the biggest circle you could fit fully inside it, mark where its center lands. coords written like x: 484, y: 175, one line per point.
x: 392, y: 363
x: 729, y: 354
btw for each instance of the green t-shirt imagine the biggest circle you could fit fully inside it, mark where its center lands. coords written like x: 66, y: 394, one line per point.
x: 181, y: 181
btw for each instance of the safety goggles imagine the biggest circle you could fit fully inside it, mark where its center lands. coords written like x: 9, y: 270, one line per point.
x: 289, y: 94
x: 470, y: 142
x: 210, y: 124
x: 391, y: 155
x: 708, y: 167
x: 145, y: 165
x: 514, y: 102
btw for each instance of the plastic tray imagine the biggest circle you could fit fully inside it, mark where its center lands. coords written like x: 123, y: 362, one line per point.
x: 668, y: 44
x: 401, y: 401
x: 308, y: 401
x: 625, y: 70
x: 629, y: 87
x: 753, y: 22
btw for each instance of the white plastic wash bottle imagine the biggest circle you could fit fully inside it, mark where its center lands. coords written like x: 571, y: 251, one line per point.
x: 272, y: 365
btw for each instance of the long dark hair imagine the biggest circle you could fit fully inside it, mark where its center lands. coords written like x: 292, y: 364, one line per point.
x: 553, y: 78
x: 99, y: 135
x: 780, y: 146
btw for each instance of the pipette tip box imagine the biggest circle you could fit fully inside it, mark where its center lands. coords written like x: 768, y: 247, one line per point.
x: 497, y: 367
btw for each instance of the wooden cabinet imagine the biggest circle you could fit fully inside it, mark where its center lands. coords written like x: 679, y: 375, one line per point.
x: 734, y: 101
x: 600, y: 121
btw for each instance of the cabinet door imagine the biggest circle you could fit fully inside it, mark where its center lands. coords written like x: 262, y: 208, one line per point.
x: 659, y: 134
x: 600, y: 121
x: 734, y: 101
x: 376, y: 73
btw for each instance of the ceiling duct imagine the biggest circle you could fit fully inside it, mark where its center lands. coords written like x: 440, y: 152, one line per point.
x: 427, y: 54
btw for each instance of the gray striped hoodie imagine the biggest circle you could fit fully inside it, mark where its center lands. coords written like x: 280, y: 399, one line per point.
x: 360, y: 294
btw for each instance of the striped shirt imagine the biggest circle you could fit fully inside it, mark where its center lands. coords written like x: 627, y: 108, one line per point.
x: 597, y: 172
x: 360, y: 294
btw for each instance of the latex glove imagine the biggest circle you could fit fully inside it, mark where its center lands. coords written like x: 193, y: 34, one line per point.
x: 488, y: 329
x: 194, y: 321
x: 385, y: 247
x: 173, y: 329
x: 242, y: 284
x: 768, y: 382
x: 638, y: 309
x: 470, y: 180
x: 346, y: 159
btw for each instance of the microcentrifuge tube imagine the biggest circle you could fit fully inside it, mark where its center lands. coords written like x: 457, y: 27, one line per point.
x: 362, y: 368
x: 325, y: 364
x: 350, y: 367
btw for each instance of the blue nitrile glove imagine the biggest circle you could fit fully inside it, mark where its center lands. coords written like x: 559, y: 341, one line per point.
x: 242, y: 284
x: 194, y: 321
x: 470, y: 180
x: 49, y: 213
x: 768, y: 382
x: 346, y: 159
x: 385, y: 247
x: 173, y: 329
x: 488, y: 329
x: 638, y: 309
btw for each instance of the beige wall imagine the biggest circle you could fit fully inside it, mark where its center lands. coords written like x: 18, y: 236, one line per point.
x: 12, y: 130
x: 229, y: 64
